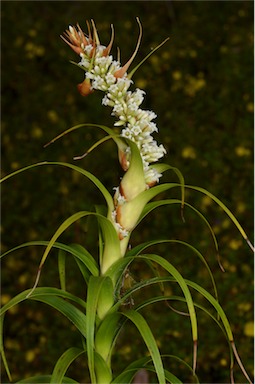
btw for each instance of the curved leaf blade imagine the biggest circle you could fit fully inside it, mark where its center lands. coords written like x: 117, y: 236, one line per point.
x: 63, y: 364
x: 149, y: 340
x: 226, y: 210
x: 76, y: 250
x: 89, y: 175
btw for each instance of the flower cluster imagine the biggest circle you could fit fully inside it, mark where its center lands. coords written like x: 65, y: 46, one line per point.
x: 104, y: 73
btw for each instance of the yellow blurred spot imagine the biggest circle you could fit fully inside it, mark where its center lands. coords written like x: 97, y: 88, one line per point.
x: 241, y: 207
x: 189, y: 153
x: 250, y: 107
x: 125, y: 350
x: 32, y: 32
x: 141, y: 83
x: 64, y: 189
x: 43, y: 339
x: 216, y: 229
x: 242, y: 151
x: 39, y: 51
x: 226, y: 223
x: 29, y: 47
x: 166, y: 55
x: 52, y: 116
x: 223, y: 49
x: 12, y: 344
x: 33, y: 234
x: 206, y: 201
x: 193, y: 53
x: 23, y: 279
x: 241, y: 13
x: 245, y: 307
x: 5, y: 298
x: 223, y: 362
x: 235, y: 244
x: 177, y: 75
x: 249, y: 329
x: 15, y: 165
x: 194, y: 85
x: 232, y: 268
x: 37, y: 132
x: 155, y: 60
x: 30, y: 355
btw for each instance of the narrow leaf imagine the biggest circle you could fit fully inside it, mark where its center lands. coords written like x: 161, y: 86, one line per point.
x: 62, y: 269
x: 94, y: 288
x: 63, y: 364
x: 89, y: 175
x: 226, y: 210
x: 149, y: 340
x: 76, y: 250
x: 106, y: 334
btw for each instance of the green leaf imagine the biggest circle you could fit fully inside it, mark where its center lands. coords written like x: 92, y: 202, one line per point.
x: 94, y: 288
x: 133, y: 182
x: 2, y: 349
x: 76, y: 250
x: 67, y: 309
x: 225, y: 209
x: 89, y: 175
x: 108, y: 130
x: 72, y: 219
x: 41, y: 291
x: 120, y: 265
x: 106, y: 334
x: 53, y: 297
x: 62, y: 269
x: 141, y: 247
x: 106, y: 298
x: 149, y: 340
x: 132, y: 210
x: 155, y: 204
x: 63, y: 364
x: 111, y: 249
x: 103, y: 371
x: 161, y: 167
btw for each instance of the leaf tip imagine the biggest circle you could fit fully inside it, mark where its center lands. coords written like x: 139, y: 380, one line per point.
x: 182, y: 214
x: 194, y: 356
x: 219, y: 262
x: 36, y: 283
x: 239, y: 361
x: 250, y: 244
x: 81, y: 157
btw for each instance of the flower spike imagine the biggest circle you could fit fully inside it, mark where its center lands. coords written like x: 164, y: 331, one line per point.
x: 123, y: 70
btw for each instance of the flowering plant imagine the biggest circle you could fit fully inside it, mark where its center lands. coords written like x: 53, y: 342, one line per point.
x: 101, y: 317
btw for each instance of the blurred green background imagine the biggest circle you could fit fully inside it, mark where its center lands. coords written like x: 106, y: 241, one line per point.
x: 200, y: 86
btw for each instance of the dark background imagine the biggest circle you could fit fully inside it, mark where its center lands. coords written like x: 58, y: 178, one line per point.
x: 200, y: 86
